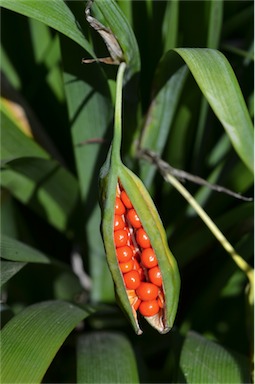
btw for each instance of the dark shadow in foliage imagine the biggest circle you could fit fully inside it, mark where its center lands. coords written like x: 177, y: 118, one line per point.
x: 158, y: 355
x: 150, y: 43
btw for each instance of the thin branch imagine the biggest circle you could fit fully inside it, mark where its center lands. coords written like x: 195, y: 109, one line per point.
x: 182, y: 175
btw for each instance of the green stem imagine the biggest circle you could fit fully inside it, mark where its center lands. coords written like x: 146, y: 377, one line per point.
x: 240, y: 262
x: 118, y: 114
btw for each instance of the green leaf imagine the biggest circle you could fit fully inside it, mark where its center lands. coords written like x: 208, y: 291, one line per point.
x: 161, y: 112
x: 14, y: 250
x: 215, y: 22
x: 47, y: 53
x: 203, y: 361
x: 31, y: 339
x: 219, y: 85
x: 45, y: 186
x: 215, y: 10
x: 8, y: 69
x: 9, y: 269
x: 15, y: 143
x: 105, y: 357
x: 55, y: 14
x: 18, y: 254
x: 33, y: 178
x: 90, y: 114
x: 170, y: 25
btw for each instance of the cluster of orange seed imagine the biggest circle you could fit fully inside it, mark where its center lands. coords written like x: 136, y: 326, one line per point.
x: 136, y: 257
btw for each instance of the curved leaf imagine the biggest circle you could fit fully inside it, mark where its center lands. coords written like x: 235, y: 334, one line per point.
x: 49, y: 189
x: 105, y: 357
x: 203, y: 361
x: 17, y: 255
x: 35, y: 179
x: 55, y: 14
x: 31, y: 339
x: 9, y: 269
x: 219, y: 85
x: 15, y: 143
x: 14, y: 250
x: 161, y: 112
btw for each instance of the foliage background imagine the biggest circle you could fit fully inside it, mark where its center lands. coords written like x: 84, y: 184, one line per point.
x: 49, y: 190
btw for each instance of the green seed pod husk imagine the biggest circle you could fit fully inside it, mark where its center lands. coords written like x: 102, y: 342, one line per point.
x: 113, y: 175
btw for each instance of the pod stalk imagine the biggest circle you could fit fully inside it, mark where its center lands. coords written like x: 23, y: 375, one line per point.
x: 118, y: 114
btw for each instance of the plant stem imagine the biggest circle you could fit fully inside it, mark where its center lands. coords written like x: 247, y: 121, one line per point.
x: 240, y: 262
x: 118, y: 113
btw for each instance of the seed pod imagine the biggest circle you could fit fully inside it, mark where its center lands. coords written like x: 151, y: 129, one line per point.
x: 145, y: 230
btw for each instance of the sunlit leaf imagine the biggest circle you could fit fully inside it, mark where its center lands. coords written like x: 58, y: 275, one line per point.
x: 219, y: 85
x: 161, y: 111
x: 31, y: 339
x: 55, y: 14
x: 38, y: 181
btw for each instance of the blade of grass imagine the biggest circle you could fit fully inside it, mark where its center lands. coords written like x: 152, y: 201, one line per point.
x: 215, y: 23
x: 105, y: 357
x: 203, y: 361
x: 126, y: 8
x: 45, y: 186
x: 171, y: 25
x: 31, y: 339
x: 219, y: 85
x: 17, y: 255
x: 8, y: 69
x: 14, y: 250
x: 38, y: 181
x: 15, y: 143
x: 55, y: 14
x: 215, y: 9
x: 161, y: 112
x: 47, y: 53
x: 9, y: 269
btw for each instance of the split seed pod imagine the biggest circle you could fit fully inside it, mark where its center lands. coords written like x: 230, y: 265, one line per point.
x: 115, y: 178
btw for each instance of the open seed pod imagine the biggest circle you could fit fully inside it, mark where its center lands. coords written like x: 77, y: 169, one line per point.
x: 144, y: 271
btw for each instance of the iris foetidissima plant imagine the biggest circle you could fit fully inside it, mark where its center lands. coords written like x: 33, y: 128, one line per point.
x: 145, y: 273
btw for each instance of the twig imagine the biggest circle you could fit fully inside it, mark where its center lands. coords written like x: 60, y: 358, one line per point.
x: 182, y: 175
